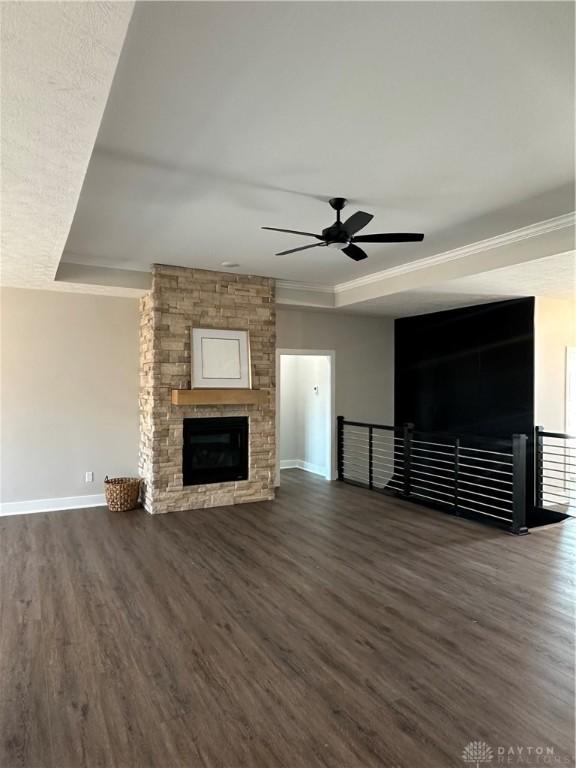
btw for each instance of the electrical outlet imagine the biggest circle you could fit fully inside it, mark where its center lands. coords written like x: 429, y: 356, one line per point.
x: 89, y: 477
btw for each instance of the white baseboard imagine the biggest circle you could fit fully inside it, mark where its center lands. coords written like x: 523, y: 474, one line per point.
x: 315, y: 469
x: 51, y: 505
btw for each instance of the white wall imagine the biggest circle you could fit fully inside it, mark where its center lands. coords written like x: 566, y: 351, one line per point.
x: 69, y: 393
x: 554, y: 331
x: 364, y: 347
x: 305, y: 412
x: 290, y: 414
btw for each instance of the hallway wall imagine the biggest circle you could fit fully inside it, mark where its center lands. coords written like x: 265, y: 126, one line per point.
x: 364, y: 357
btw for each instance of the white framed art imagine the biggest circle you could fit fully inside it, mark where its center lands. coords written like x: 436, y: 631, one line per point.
x: 220, y: 359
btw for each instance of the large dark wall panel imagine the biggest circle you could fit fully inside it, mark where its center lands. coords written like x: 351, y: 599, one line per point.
x: 467, y: 370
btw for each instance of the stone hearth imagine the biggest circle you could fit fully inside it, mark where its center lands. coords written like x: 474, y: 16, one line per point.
x: 179, y: 300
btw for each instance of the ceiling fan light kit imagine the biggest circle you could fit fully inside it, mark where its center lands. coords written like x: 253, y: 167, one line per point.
x: 342, y: 235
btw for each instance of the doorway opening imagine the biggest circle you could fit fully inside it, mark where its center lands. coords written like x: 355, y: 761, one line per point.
x: 305, y: 416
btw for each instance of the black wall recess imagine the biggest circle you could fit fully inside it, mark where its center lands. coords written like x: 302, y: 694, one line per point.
x: 469, y: 371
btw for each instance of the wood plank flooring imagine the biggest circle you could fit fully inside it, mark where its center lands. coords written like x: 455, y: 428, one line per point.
x: 333, y: 627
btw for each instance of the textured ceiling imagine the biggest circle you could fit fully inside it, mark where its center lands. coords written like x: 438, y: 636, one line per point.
x: 554, y: 276
x: 455, y: 119
x: 58, y: 61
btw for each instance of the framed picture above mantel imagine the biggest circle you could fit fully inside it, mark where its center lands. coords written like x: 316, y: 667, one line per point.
x: 220, y: 359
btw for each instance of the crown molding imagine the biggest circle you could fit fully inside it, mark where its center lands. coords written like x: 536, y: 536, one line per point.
x: 508, y: 238
x: 294, y: 285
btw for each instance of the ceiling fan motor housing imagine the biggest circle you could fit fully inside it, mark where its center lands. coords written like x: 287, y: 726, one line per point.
x: 335, y: 234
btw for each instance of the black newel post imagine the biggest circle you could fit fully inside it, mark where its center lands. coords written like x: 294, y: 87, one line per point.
x: 538, y: 467
x: 407, y: 433
x: 370, y: 458
x: 519, y: 484
x: 340, y: 447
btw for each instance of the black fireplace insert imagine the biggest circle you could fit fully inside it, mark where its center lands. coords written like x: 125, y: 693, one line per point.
x: 215, y: 450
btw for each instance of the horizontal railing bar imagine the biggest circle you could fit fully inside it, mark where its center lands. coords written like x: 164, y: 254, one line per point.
x: 432, y: 498
x: 356, y: 476
x: 433, y: 490
x: 366, y: 454
x: 481, y: 477
x: 362, y: 467
x: 483, y: 512
x: 395, y: 449
x: 557, y: 495
x: 383, y: 478
x: 381, y: 461
x: 489, y: 487
x: 366, y: 424
x: 430, y: 442
x: 464, y: 437
x: 484, y: 450
x: 430, y: 474
x: 353, y: 470
x: 427, y: 451
x: 428, y: 466
x: 356, y: 462
x: 387, y: 449
x: 422, y: 447
x: 486, y: 469
x: 560, y: 463
x: 558, y: 487
x: 422, y: 461
x: 448, y: 476
x: 558, y: 435
x: 485, y: 504
x: 366, y: 444
x: 381, y: 471
x: 484, y: 495
x: 356, y: 473
x: 391, y: 480
x: 559, y: 450
x: 491, y: 461
x: 433, y: 458
x: 561, y: 487
x: 451, y: 486
x: 561, y: 471
x: 355, y: 451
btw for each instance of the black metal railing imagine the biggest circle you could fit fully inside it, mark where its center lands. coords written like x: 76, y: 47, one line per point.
x: 555, y: 464
x: 482, y: 477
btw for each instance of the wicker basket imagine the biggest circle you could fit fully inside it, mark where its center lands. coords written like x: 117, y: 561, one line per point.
x: 122, y: 493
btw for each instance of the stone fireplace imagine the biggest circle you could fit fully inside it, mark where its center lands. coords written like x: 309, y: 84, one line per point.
x: 179, y: 300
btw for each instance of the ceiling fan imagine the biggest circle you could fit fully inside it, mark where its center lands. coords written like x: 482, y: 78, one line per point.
x: 342, y: 234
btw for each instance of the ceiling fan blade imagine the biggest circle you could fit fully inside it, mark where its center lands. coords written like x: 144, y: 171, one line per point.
x: 390, y: 237
x: 302, y: 248
x: 355, y: 253
x: 293, y: 232
x: 356, y: 222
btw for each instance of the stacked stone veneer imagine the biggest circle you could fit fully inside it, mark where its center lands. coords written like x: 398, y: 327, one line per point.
x: 181, y: 299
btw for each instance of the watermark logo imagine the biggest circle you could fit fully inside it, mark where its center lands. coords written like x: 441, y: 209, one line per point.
x: 477, y: 753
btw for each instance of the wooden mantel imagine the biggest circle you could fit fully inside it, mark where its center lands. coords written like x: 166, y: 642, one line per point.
x: 218, y: 396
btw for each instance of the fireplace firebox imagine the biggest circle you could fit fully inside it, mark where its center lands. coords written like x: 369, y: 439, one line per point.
x: 215, y: 450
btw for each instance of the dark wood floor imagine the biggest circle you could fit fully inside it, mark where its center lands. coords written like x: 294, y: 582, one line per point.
x: 332, y: 627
